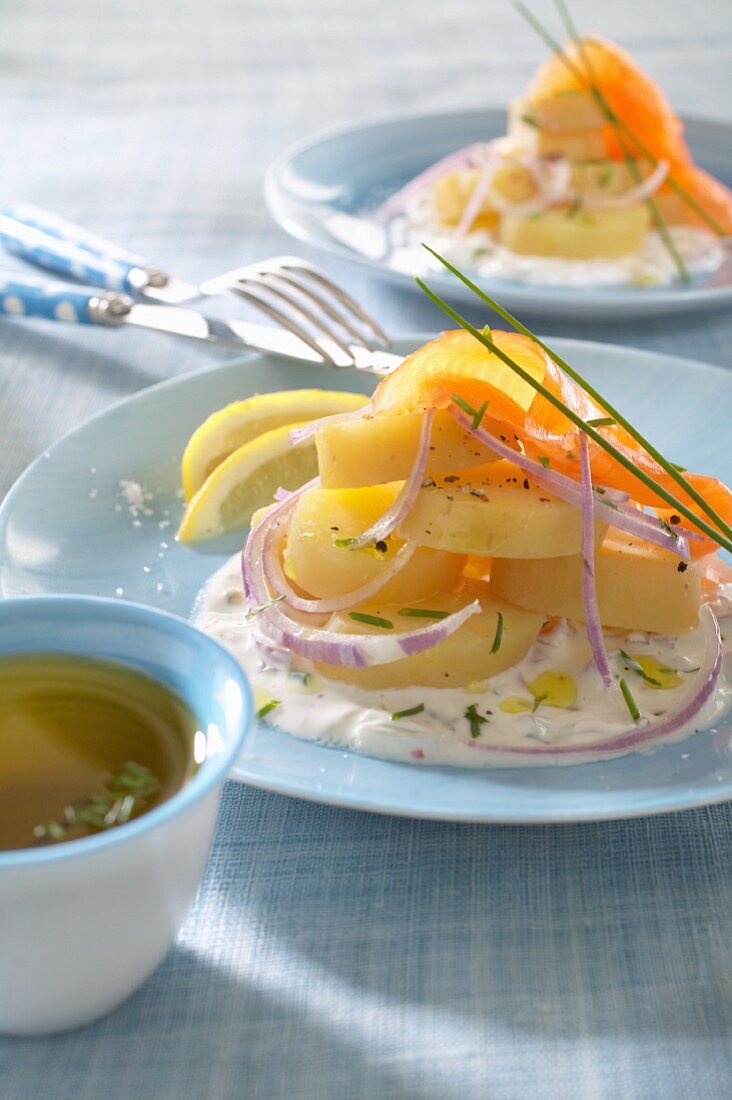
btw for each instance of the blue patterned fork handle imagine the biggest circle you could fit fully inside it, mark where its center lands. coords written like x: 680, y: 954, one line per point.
x: 56, y: 301
x: 56, y: 245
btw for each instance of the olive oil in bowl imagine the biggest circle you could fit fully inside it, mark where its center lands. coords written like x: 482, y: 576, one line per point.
x: 85, y: 745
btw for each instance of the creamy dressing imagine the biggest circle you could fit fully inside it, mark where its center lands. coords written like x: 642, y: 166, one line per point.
x: 336, y: 714
x: 700, y: 250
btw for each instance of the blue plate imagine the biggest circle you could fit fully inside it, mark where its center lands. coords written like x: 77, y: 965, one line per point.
x: 80, y: 520
x: 324, y: 190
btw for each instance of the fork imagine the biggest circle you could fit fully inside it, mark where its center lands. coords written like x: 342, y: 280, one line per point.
x: 294, y: 293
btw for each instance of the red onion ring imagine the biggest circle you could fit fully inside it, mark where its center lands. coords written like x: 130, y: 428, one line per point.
x: 298, y: 434
x: 551, y: 178
x: 397, y: 512
x: 593, y: 623
x: 481, y: 189
x: 316, y: 643
x: 626, y: 519
x: 634, y: 195
x: 645, y: 734
x: 468, y: 157
x: 278, y: 583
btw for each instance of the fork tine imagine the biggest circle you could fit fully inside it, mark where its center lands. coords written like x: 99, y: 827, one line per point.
x: 293, y: 263
x: 321, y: 302
x: 320, y: 327
x: 250, y: 295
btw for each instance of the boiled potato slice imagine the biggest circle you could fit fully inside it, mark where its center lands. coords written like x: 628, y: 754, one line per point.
x: 572, y: 144
x: 604, y: 176
x: 604, y: 234
x: 572, y: 110
x: 512, y: 181
x: 378, y: 449
x: 495, y: 511
x: 321, y: 568
x: 639, y: 586
x: 452, y: 194
x: 462, y: 659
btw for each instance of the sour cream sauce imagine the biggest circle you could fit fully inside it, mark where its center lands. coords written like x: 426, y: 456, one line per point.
x: 700, y: 250
x: 340, y: 715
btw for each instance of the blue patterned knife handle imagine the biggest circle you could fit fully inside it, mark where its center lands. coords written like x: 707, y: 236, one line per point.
x: 53, y: 254
x: 45, y: 298
x: 54, y: 226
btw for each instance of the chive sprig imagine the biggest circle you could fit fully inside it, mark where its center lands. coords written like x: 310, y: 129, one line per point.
x: 721, y: 534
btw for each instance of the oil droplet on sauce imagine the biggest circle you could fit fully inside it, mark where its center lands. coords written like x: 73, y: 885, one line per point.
x: 555, y: 689
x: 657, y: 675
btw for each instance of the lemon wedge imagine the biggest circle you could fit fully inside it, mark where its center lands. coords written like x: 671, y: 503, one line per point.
x: 225, y: 431
x: 245, y: 481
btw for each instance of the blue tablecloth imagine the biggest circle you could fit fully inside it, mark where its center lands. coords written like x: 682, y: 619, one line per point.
x: 333, y: 955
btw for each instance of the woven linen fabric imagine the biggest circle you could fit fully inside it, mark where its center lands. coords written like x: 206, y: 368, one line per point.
x: 331, y: 954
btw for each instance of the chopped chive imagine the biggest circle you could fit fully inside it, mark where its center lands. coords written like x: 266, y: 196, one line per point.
x: 643, y: 149
x: 544, y: 461
x: 267, y: 708
x: 498, y: 635
x: 538, y: 700
x: 603, y: 422
x: 476, y: 720
x: 372, y: 620
x: 724, y: 540
x: 461, y: 402
x: 587, y: 75
x: 423, y: 613
x: 575, y: 206
x: 123, y: 793
x: 631, y: 663
x: 262, y: 607
x: 530, y: 120
x: 344, y: 542
x: 479, y: 414
x: 630, y: 701
x: 486, y: 330
x: 302, y: 677
x: 667, y: 527
x: 407, y: 713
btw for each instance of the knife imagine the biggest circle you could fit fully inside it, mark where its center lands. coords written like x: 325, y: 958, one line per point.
x: 56, y: 301
x: 47, y: 241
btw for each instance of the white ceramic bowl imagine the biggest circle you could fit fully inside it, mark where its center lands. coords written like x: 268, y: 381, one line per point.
x: 83, y: 923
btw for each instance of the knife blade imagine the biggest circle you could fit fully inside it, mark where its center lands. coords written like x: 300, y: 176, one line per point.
x: 238, y: 334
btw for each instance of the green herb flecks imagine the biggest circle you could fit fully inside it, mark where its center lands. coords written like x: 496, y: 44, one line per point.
x: 575, y: 206
x: 476, y: 415
x: 538, y: 700
x: 460, y: 401
x: 124, y: 794
x: 724, y: 540
x: 409, y: 713
x: 530, y: 120
x: 475, y: 720
x: 479, y: 414
x: 630, y: 701
x: 262, y: 607
x: 634, y: 666
x: 267, y: 708
x: 371, y: 620
x: 498, y: 637
x: 615, y: 119
x: 423, y: 613
x: 602, y: 422
x: 544, y: 461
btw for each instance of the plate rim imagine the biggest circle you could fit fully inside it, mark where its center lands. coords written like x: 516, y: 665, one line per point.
x: 681, y: 802
x: 538, y: 298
